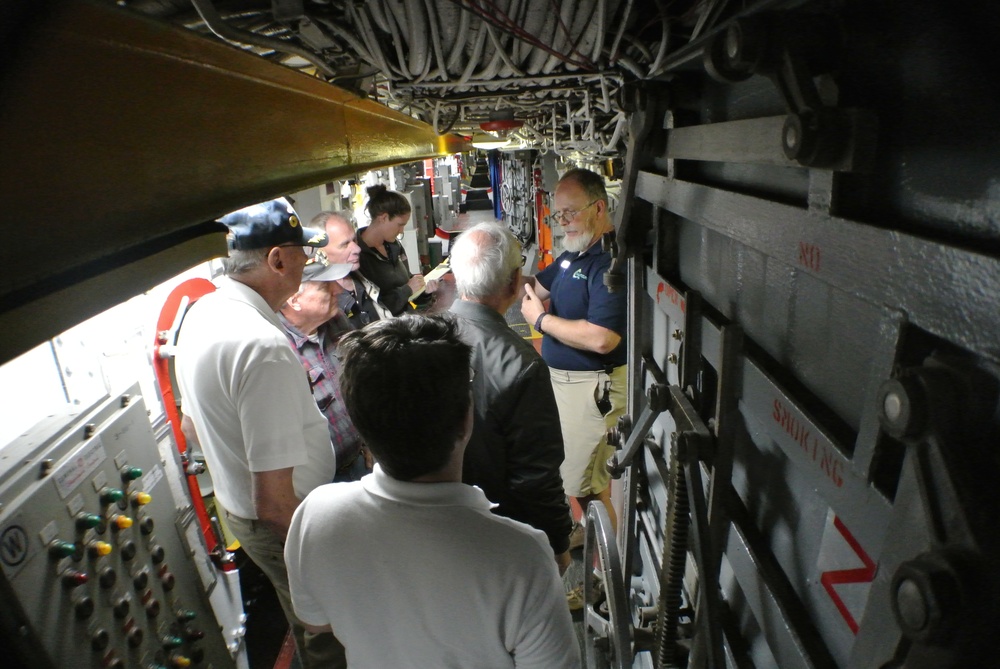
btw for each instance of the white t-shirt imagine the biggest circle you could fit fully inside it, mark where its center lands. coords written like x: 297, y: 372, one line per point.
x: 248, y: 395
x: 423, y: 575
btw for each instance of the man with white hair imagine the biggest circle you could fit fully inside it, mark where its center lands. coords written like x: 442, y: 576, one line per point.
x: 516, y: 446
x: 359, y: 299
x: 314, y: 323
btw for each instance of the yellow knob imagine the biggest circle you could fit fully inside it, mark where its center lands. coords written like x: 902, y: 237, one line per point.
x: 122, y: 522
x: 100, y: 548
x: 141, y: 498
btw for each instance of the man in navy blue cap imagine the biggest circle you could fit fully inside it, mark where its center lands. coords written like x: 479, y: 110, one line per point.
x: 265, y: 441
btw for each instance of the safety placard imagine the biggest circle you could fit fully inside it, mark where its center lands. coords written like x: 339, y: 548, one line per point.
x: 846, y: 570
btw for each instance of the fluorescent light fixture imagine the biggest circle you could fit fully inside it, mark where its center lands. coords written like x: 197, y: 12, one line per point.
x: 487, y: 145
x: 487, y: 141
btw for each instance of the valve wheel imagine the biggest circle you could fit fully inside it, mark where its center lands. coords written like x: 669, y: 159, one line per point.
x: 607, y: 631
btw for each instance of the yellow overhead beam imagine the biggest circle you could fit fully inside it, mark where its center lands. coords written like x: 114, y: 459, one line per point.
x: 120, y: 133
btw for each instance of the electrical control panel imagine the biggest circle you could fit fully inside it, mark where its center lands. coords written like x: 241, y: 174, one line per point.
x: 101, y: 566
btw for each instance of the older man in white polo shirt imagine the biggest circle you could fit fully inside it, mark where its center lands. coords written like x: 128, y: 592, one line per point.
x: 265, y: 441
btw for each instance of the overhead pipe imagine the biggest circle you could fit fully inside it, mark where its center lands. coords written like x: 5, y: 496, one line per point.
x: 379, y: 15
x: 566, y: 14
x: 540, y: 79
x: 501, y: 50
x: 599, y: 41
x: 393, y: 26
x: 432, y: 19
x: 353, y: 43
x: 461, y: 39
x: 360, y: 19
x: 206, y: 10
x: 417, y: 41
x: 621, y: 30
x: 477, y: 54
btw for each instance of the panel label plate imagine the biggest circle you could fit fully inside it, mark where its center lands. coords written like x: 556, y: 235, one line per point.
x: 79, y: 466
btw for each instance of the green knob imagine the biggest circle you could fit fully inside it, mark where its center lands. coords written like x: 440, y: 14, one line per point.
x: 111, y: 495
x: 131, y: 473
x: 87, y: 521
x: 61, y: 549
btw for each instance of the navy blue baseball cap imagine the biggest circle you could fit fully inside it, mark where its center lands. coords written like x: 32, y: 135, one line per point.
x: 267, y: 224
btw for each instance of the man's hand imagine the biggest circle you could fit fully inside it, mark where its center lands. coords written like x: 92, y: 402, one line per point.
x: 531, y: 306
x: 563, y: 560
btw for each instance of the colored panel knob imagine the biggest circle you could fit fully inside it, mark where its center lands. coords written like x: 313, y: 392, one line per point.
x: 141, y: 498
x: 152, y: 608
x: 84, y: 608
x: 134, y: 637
x: 121, y: 607
x: 99, y: 640
x: 185, y: 615
x: 172, y: 642
x: 111, y: 495
x: 128, y: 550
x: 87, y: 521
x: 99, y: 548
x: 72, y: 578
x: 107, y: 577
x: 61, y: 549
x: 120, y: 522
x: 179, y: 661
x: 130, y: 473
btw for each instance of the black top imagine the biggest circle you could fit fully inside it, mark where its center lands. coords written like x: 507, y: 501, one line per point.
x: 358, y: 305
x: 516, y: 446
x: 389, y: 274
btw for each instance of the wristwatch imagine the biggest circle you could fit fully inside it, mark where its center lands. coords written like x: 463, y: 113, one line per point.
x: 538, y: 322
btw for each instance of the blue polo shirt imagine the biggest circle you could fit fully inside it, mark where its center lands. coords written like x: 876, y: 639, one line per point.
x: 576, y: 284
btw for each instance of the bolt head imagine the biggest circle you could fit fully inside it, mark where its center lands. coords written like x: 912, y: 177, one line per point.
x: 927, y: 598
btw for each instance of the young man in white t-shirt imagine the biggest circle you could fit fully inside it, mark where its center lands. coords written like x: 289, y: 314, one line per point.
x: 408, y: 566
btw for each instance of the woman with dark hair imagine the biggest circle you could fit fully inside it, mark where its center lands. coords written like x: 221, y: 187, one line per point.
x: 383, y: 260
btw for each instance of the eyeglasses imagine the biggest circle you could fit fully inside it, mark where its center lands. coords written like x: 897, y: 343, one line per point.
x: 309, y: 251
x: 570, y: 214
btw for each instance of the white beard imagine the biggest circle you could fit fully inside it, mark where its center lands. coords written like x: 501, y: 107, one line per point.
x: 576, y: 244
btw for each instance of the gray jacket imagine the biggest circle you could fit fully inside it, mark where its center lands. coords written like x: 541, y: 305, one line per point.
x: 516, y: 446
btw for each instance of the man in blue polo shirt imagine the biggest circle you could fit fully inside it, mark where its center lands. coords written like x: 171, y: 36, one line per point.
x: 584, y: 343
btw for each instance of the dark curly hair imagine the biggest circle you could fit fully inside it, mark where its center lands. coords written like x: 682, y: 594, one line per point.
x: 406, y: 387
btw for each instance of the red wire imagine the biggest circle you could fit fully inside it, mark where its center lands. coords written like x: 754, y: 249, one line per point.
x: 507, y: 24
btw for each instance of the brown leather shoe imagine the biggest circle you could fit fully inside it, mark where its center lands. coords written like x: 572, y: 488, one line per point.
x: 574, y: 598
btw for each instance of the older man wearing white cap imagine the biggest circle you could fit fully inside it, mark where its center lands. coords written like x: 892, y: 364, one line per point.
x: 266, y: 442
x: 314, y: 322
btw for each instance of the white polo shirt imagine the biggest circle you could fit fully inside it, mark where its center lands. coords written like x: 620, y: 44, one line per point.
x: 248, y: 395
x: 423, y: 575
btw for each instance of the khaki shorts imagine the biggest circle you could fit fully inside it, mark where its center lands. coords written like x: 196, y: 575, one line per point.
x: 584, y: 469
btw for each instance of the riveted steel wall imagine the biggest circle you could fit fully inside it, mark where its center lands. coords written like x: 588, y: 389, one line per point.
x: 823, y: 291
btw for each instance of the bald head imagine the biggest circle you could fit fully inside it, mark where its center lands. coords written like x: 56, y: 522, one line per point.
x: 485, y: 261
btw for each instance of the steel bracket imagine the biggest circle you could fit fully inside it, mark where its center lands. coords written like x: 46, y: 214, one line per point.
x: 791, y: 50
